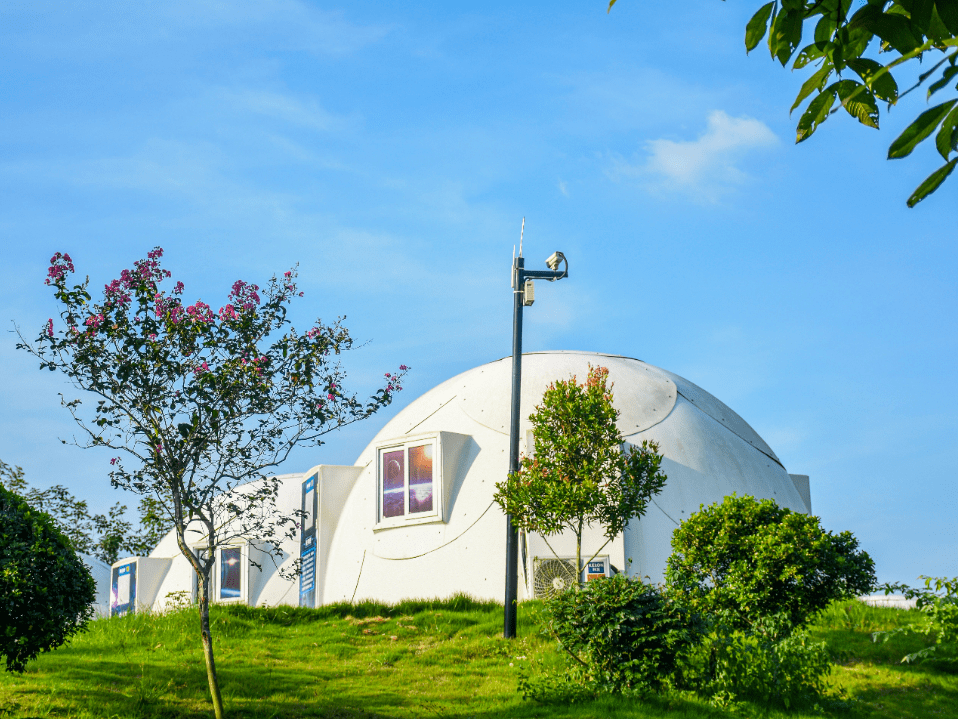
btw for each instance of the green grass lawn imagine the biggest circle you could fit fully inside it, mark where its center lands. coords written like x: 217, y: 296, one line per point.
x: 417, y: 659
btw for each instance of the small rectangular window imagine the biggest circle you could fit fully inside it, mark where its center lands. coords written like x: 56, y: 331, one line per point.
x: 231, y: 573
x: 408, y: 481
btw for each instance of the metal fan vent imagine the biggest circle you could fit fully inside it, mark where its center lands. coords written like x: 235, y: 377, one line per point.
x: 552, y: 577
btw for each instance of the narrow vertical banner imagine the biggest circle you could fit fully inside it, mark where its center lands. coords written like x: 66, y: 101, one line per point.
x: 307, y: 545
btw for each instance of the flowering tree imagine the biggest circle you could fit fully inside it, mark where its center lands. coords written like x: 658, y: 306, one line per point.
x: 198, y: 403
x: 579, y: 474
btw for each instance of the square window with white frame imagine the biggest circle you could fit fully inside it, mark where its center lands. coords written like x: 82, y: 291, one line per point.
x: 408, y: 482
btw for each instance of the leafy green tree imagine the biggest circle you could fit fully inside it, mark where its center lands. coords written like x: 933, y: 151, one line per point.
x: 756, y: 566
x: 46, y: 594
x: 201, y: 403
x: 579, y: 474
x: 846, y: 45
x: 99, y: 535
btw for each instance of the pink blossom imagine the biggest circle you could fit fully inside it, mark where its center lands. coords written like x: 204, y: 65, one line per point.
x: 403, y: 368
x: 113, y: 461
x: 50, y: 327
x: 331, y: 398
x: 116, y: 292
x: 178, y: 290
x: 203, y: 368
x: 245, y: 295
x: 332, y: 385
x: 388, y: 375
x: 60, y: 265
x: 389, y: 387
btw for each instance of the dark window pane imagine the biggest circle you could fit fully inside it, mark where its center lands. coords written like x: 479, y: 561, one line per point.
x: 393, y: 504
x: 393, y: 470
x: 420, y: 479
x: 394, y: 482
x: 231, y: 567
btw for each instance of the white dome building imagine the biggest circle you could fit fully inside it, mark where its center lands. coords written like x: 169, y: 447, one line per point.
x: 414, y: 516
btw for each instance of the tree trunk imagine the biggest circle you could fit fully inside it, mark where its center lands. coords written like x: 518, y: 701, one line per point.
x: 203, y: 600
x: 578, y: 558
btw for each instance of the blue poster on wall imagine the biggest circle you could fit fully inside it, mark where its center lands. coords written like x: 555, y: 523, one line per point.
x: 123, y: 590
x: 307, y: 544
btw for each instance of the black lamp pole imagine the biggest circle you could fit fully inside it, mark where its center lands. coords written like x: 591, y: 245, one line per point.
x: 520, y: 275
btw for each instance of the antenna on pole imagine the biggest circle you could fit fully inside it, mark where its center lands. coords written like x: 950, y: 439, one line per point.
x: 521, y: 231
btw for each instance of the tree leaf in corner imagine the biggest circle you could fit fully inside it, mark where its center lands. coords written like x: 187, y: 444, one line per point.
x: 931, y: 183
x: 755, y: 30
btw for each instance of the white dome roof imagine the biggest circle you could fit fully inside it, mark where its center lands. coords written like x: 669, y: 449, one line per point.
x: 709, y: 451
x: 644, y: 394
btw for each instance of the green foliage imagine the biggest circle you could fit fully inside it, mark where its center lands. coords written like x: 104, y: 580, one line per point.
x: 911, y: 31
x: 578, y: 474
x: 746, y: 562
x: 102, y: 536
x: 621, y: 634
x: 45, y: 591
x: 938, y: 601
x: 732, y: 666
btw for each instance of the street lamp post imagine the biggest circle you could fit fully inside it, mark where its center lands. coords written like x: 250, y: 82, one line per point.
x: 523, y: 295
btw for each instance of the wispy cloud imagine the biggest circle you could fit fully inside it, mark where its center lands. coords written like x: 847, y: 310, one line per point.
x: 289, y: 109
x: 705, y: 168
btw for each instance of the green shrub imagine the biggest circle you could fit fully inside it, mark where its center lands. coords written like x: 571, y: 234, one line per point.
x: 746, y: 561
x: 734, y: 665
x: 621, y: 634
x: 939, y: 604
x: 45, y: 591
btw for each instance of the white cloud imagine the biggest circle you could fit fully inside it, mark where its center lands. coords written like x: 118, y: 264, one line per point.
x: 705, y: 168
x: 305, y: 113
x: 563, y: 188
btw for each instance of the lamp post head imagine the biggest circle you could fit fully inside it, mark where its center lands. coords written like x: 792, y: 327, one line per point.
x: 554, y: 259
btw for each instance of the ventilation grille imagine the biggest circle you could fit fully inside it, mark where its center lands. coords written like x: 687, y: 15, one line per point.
x: 552, y: 577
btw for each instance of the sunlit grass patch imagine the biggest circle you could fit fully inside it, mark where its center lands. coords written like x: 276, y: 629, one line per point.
x: 417, y: 659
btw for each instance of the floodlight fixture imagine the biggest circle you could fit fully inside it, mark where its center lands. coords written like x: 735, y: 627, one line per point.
x: 554, y: 259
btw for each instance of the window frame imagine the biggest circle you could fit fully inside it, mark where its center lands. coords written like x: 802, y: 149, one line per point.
x: 215, y: 579
x: 407, y: 519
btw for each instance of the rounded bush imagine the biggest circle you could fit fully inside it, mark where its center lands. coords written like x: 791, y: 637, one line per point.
x: 624, y: 634
x: 755, y: 566
x: 46, y: 593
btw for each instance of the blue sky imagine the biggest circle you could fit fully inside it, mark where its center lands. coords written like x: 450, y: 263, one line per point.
x: 392, y: 151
